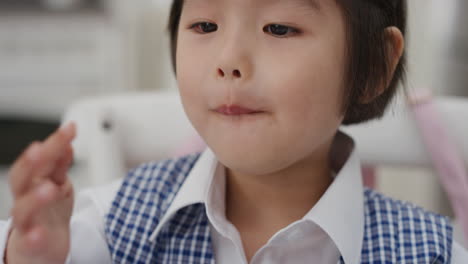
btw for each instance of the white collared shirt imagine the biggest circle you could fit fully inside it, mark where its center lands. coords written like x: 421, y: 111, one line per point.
x: 319, y: 237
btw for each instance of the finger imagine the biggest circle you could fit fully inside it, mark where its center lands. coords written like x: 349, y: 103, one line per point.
x: 36, y: 240
x: 22, y: 169
x: 66, y: 189
x: 60, y: 173
x: 38, y: 159
x: 52, y: 151
x: 68, y: 130
x: 27, y: 207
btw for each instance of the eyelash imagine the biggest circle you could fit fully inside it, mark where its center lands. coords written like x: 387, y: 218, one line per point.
x: 267, y: 29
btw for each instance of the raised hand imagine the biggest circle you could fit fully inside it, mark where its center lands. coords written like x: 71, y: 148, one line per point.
x: 43, y: 201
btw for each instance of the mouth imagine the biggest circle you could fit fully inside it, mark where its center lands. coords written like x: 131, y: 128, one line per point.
x: 236, y: 110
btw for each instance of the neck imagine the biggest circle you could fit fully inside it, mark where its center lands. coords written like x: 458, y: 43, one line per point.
x: 279, y: 198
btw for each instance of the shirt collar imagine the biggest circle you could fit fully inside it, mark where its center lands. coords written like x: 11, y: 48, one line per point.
x: 345, y: 196
x: 340, y: 210
x: 193, y: 190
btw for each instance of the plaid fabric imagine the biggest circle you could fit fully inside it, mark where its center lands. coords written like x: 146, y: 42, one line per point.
x: 398, y: 232
x: 395, y: 232
x: 141, y: 202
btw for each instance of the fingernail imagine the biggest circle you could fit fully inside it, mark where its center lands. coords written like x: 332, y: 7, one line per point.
x: 34, y: 152
x: 44, y: 190
x: 67, y: 129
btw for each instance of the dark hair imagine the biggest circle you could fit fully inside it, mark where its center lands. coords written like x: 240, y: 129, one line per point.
x: 368, y: 63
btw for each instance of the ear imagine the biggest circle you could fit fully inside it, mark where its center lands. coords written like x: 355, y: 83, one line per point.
x: 395, y: 46
x: 396, y: 43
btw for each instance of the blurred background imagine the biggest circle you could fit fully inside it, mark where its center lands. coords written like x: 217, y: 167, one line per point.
x: 54, y: 52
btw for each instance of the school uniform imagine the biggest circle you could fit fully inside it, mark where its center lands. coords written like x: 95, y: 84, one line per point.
x: 173, y: 211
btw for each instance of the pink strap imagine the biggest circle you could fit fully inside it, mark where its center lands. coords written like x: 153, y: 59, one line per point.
x: 369, y: 176
x: 445, y: 156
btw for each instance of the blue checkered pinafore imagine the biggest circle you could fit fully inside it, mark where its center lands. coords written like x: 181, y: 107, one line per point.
x: 395, y: 232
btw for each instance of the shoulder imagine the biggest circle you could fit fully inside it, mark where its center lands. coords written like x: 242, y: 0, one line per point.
x: 379, y: 204
x: 405, y: 230
x: 143, y: 199
x: 97, y: 201
x: 153, y: 183
x: 96, y: 198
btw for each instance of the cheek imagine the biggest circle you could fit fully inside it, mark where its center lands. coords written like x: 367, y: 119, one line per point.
x: 309, y: 91
x: 189, y: 75
x: 194, y: 77
x: 191, y: 99
x: 309, y: 77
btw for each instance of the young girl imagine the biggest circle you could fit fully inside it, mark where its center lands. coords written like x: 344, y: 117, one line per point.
x: 266, y: 83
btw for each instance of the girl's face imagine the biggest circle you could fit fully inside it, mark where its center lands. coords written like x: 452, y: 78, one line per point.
x: 284, y: 59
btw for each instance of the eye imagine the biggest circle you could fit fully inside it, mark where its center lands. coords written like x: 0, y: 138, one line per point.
x: 280, y: 31
x: 204, y: 27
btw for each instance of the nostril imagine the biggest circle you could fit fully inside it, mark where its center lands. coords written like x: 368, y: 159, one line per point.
x: 220, y: 72
x: 236, y: 73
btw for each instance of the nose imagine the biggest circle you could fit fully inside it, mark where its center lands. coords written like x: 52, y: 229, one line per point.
x: 232, y: 74
x: 234, y: 60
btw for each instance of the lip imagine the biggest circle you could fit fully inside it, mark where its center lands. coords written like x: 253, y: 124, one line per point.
x: 236, y: 110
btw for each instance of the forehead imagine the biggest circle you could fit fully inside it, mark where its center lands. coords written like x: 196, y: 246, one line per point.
x: 314, y: 4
